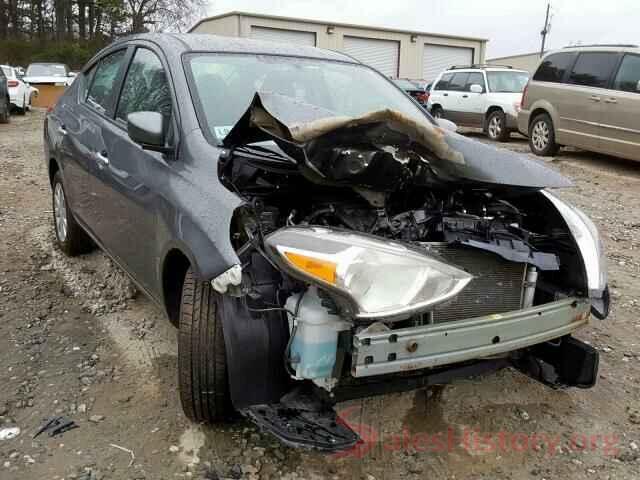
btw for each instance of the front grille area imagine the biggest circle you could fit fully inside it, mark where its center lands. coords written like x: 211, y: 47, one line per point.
x: 496, y: 288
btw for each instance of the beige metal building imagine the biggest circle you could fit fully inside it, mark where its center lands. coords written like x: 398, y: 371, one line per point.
x: 396, y: 53
x: 525, y: 61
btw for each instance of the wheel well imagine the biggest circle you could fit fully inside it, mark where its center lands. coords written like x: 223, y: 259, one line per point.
x: 492, y: 109
x: 53, y: 169
x: 535, y: 113
x: 436, y: 105
x: 174, y: 270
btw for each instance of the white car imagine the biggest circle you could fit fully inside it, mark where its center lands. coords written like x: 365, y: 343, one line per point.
x: 20, y: 93
x: 49, y: 73
x: 482, y: 96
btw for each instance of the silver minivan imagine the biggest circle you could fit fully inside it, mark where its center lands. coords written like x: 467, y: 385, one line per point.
x: 585, y: 97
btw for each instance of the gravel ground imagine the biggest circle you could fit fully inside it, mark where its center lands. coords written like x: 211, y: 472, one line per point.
x: 77, y: 340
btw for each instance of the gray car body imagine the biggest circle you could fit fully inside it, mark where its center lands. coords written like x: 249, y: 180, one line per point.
x: 154, y: 212
x: 142, y: 207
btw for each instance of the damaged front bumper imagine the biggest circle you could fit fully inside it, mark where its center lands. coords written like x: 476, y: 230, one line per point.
x: 414, y: 348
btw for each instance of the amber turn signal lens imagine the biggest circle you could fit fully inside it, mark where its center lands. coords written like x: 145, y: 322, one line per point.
x: 321, y: 269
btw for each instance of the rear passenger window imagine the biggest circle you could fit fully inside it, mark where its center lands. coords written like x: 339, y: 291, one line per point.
x: 475, y: 78
x: 628, y: 77
x: 146, y: 88
x: 104, y: 80
x: 554, y: 67
x: 593, y: 69
x: 459, y: 82
x: 443, y: 84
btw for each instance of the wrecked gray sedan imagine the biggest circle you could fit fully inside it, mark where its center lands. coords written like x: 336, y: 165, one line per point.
x: 313, y: 233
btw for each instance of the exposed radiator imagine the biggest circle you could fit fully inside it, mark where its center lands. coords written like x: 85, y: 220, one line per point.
x: 497, y: 286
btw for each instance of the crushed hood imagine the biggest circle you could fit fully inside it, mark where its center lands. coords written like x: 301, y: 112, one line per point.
x: 338, y: 148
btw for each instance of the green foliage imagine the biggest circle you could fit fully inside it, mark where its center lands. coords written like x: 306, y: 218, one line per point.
x: 23, y: 52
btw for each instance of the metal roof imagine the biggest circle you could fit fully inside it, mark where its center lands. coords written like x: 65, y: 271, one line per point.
x: 335, y: 24
x: 188, y: 42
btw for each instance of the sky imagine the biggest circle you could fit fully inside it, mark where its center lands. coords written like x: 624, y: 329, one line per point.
x: 512, y: 26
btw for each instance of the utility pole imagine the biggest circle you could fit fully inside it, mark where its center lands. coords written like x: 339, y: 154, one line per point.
x: 545, y: 30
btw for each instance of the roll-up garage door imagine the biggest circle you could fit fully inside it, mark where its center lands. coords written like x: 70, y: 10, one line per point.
x: 383, y: 55
x: 437, y: 58
x: 292, y: 37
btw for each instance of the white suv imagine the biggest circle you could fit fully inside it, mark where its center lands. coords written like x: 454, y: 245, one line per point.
x: 480, y: 96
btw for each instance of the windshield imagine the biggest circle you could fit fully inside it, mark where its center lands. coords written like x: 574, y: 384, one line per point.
x: 46, y: 70
x: 507, y: 82
x: 225, y: 85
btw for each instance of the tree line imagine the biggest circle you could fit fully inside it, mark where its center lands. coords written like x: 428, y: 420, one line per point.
x: 71, y: 31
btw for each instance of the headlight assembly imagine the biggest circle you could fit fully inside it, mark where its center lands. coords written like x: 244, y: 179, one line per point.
x: 586, y: 236
x: 377, y: 278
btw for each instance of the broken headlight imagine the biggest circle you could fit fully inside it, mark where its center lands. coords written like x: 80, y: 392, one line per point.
x: 586, y: 236
x: 375, y: 278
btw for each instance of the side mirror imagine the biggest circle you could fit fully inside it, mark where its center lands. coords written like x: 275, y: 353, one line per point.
x: 147, y: 129
x: 475, y: 88
x: 447, y: 125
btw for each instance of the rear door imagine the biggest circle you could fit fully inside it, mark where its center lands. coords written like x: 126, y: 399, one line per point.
x: 84, y: 127
x: 581, y: 106
x: 621, y: 111
x: 473, y: 105
x: 125, y: 183
x: 457, y: 88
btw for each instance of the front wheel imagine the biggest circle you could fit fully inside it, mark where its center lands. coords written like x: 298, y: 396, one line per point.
x: 497, y: 126
x: 202, y: 357
x: 437, y: 112
x: 542, y: 137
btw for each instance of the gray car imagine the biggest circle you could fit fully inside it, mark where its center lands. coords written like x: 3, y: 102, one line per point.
x: 313, y: 233
x: 586, y: 97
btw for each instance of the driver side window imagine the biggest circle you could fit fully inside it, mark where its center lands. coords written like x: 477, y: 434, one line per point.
x: 146, y: 88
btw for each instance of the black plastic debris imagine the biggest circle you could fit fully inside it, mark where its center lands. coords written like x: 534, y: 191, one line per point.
x: 302, y: 420
x: 56, y: 426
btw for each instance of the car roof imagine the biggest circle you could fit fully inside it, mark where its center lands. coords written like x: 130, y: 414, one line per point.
x: 197, y: 42
x: 485, y: 69
x: 599, y: 48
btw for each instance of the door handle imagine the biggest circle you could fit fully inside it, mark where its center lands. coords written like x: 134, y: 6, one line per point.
x: 595, y: 98
x: 610, y: 100
x: 102, y: 158
x: 445, y: 94
x: 465, y: 96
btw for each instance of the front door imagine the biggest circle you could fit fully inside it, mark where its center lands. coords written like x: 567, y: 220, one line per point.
x: 126, y: 181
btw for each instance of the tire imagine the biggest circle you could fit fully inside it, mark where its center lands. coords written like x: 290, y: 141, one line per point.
x: 23, y: 110
x: 542, y: 137
x: 497, y: 126
x: 437, y: 112
x: 5, y: 111
x: 70, y: 236
x: 202, y: 357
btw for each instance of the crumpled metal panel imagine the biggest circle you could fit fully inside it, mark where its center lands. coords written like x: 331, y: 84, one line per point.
x: 451, y: 157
